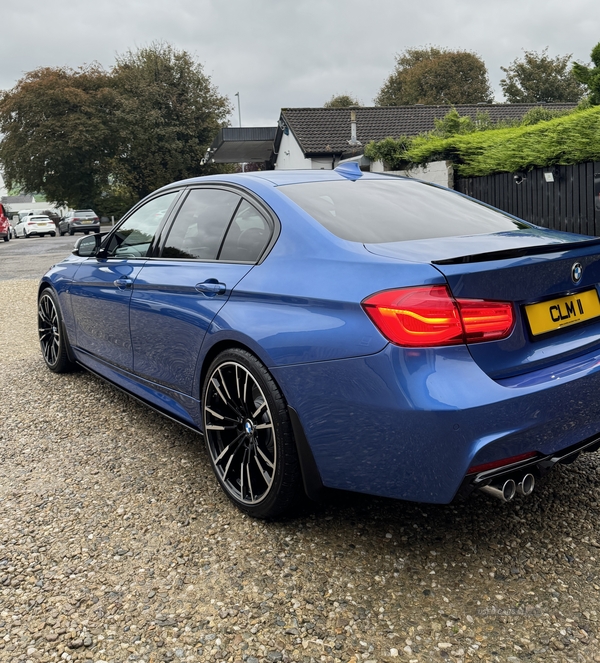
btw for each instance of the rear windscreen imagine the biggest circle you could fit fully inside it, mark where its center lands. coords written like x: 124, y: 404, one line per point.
x: 395, y: 210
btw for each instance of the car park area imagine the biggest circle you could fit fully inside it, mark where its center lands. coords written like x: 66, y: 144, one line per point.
x: 116, y: 543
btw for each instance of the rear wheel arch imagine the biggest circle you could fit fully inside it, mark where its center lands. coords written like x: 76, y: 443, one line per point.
x: 311, y: 478
x: 217, y: 349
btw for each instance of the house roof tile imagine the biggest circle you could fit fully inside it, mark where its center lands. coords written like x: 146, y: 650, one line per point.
x: 324, y: 131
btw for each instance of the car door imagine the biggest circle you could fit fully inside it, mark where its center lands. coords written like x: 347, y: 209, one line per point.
x: 103, y: 285
x: 178, y: 293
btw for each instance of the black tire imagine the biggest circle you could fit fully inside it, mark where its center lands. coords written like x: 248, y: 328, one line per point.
x: 71, y: 231
x: 86, y: 232
x: 254, y: 455
x: 61, y: 233
x: 7, y: 238
x: 53, y: 339
x: 52, y: 234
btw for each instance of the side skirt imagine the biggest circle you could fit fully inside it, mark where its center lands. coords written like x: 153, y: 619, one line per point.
x: 184, y: 420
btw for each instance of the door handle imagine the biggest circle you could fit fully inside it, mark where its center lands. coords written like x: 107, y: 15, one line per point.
x: 211, y: 287
x: 123, y: 283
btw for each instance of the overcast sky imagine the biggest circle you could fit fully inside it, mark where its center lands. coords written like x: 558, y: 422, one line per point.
x: 290, y: 53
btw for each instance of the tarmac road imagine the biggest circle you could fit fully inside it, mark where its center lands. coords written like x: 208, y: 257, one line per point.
x: 30, y: 258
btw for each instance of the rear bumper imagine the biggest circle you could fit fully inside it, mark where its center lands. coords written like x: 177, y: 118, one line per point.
x: 409, y: 423
x: 83, y: 228
x: 538, y: 466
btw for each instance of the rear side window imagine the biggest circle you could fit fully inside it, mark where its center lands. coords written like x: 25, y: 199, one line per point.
x: 200, y: 225
x: 247, y: 236
x: 379, y: 211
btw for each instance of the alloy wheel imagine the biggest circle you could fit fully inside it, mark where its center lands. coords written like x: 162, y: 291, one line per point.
x: 240, y: 433
x: 49, y: 329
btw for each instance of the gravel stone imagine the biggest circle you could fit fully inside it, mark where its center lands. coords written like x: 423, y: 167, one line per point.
x: 116, y: 544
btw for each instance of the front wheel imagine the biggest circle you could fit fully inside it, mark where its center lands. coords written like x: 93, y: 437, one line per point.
x: 53, y: 340
x: 71, y: 232
x: 249, y: 436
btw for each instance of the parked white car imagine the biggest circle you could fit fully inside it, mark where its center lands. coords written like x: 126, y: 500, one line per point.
x: 35, y: 225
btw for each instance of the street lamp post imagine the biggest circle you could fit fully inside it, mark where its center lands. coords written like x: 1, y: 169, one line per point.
x: 237, y: 94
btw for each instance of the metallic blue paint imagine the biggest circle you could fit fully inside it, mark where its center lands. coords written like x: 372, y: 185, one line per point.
x: 400, y: 422
x: 169, y: 317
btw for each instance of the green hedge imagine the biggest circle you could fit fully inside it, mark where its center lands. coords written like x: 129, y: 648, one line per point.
x: 574, y: 138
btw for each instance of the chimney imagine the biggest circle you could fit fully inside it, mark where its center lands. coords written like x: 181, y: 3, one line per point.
x: 353, y: 139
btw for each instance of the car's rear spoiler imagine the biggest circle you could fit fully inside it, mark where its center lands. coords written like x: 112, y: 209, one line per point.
x: 519, y: 252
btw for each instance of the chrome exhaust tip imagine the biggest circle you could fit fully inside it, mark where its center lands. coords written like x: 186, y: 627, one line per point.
x: 526, y: 485
x: 502, y: 491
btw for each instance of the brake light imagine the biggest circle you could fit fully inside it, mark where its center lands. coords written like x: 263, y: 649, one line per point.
x: 428, y: 316
x: 485, y: 321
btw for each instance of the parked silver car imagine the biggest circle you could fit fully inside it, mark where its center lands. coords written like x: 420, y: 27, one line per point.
x: 79, y: 221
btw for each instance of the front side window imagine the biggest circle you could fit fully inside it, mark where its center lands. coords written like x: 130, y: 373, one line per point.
x: 134, y: 237
x: 200, y: 225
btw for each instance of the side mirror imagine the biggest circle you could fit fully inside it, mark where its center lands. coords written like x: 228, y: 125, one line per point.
x: 88, y: 245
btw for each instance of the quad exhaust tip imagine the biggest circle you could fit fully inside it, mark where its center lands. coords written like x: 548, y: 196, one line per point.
x: 526, y: 485
x: 508, y: 489
x: 503, y: 491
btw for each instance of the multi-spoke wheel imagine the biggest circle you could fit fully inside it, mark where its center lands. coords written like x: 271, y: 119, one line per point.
x: 52, y: 338
x: 249, y: 436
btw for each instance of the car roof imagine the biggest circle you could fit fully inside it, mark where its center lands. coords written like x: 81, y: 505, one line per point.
x: 280, y: 177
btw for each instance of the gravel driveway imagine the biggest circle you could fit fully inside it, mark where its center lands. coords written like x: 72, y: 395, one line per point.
x: 116, y: 544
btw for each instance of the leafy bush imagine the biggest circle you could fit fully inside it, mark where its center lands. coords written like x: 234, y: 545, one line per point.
x: 542, y: 138
x: 574, y: 138
x: 391, y: 151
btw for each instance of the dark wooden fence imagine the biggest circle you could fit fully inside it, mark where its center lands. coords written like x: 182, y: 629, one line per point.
x: 571, y: 202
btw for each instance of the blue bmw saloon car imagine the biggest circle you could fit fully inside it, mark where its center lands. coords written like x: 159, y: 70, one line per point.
x: 341, y: 329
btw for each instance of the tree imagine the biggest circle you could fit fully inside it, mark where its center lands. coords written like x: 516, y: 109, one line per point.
x: 540, y: 78
x: 92, y: 138
x: 590, y: 76
x: 435, y: 75
x: 170, y: 115
x: 341, y: 101
x: 59, y: 134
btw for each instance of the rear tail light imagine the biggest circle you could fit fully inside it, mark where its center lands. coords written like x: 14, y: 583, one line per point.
x: 428, y: 316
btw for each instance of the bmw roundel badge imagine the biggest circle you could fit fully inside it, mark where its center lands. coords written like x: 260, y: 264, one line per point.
x: 576, y: 272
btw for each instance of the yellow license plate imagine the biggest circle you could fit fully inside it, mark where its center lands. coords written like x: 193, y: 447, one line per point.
x: 562, y: 312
